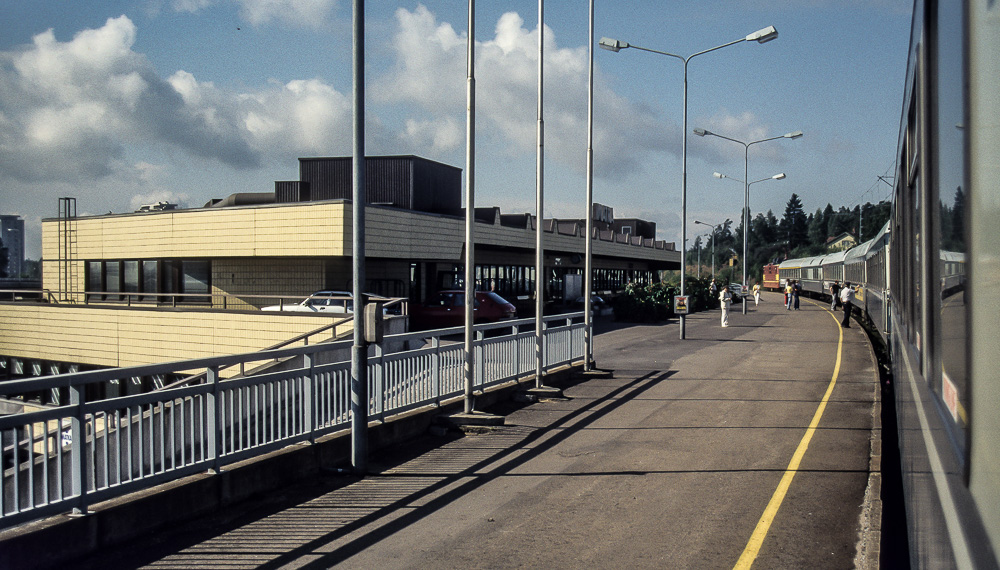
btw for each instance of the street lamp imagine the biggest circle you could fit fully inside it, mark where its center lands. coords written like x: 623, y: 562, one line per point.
x: 746, y: 188
x: 762, y: 35
x: 714, y: 227
x: 746, y: 233
x: 699, y: 256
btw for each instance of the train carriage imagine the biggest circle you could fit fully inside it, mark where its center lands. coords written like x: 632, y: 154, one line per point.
x: 919, y: 279
x: 833, y: 269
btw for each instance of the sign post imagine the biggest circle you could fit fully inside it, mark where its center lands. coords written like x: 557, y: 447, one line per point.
x: 680, y: 304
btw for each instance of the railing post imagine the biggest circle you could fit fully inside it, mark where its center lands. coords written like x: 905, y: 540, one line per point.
x: 214, y: 419
x: 78, y: 478
x: 436, y: 368
x: 380, y: 381
x: 517, y: 351
x: 307, y: 397
x: 545, y: 345
x: 481, y: 358
x: 569, y: 341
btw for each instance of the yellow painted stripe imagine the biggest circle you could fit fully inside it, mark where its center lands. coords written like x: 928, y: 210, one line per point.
x: 764, y: 524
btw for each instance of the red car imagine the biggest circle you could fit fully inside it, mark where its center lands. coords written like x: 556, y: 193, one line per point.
x: 447, y: 309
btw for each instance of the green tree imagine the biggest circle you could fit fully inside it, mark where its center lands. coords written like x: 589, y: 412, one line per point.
x: 874, y: 217
x: 794, y: 224
x: 958, y: 221
x: 817, y: 230
x: 843, y: 220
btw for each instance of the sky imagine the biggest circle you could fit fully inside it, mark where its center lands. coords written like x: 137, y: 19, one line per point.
x: 123, y: 103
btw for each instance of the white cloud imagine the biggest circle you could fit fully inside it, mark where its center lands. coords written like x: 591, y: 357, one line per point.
x: 190, y: 5
x: 745, y: 127
x: 70, y: 110
x: 438, y: 136
x: 430, y: 74
x: 305, y: 13
x: 310, y: 14
x: 302, y: 116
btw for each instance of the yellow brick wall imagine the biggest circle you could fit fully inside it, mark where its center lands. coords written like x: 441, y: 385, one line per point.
x: 248, y: 278
x: 284, y: 231
x: 129, y: 337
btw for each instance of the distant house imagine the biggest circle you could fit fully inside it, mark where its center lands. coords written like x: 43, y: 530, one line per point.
x: 841, y: 242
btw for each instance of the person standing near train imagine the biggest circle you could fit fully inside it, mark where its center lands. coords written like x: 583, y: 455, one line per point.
x: 789, y: 285
x: 725, y: 300
x: 834, y: 295
x: 796, y: 290
x: 847, y: 299
x: 756, y: 294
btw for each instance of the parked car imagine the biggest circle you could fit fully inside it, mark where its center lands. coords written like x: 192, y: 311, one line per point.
x: 447, y: 309
x: 598, y: 305
x: 737, y: 291
x: 320, y: 302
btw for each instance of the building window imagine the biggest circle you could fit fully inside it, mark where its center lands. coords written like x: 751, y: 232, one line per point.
x: 197, y: 275
x: 95, y: 281
x: 112, y: 279
x: 156, y: 279
x: 150, y: 279
x: 130, y: 276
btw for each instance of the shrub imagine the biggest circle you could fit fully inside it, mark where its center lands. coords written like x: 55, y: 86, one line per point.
x: 645, y: 303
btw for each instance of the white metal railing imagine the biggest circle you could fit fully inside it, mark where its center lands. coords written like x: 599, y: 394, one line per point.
x: 70, y: 456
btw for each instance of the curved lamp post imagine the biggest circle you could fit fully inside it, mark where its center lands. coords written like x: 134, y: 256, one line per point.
x: 714, y: 228
x: 746, y: 231
x: 699, y: 254
x: 763, y: 35
x: 746, y: 187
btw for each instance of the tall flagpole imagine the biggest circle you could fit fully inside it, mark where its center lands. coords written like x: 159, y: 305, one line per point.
x: 359, y: 356
x: 588, y: 322
x: 540, y: 280
x: 470, y: 210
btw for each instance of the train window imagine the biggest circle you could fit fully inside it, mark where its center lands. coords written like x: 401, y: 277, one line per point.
x: 948, y: 188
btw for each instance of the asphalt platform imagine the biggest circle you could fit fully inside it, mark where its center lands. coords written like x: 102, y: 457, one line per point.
x: 755, y: 444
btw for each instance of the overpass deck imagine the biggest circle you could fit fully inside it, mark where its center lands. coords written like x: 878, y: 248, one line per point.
x: 753, y: 444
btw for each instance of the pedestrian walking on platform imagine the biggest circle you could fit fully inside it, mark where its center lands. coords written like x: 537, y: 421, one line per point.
x: 756, y: 294
x: 725, y: 299
x: 834, y: 295
x: 796, y: 289
x: 788, y: 294
x: 847, y: 299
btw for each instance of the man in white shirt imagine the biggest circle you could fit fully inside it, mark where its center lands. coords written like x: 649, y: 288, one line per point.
x: 847, y: 300
x: 725, y: 299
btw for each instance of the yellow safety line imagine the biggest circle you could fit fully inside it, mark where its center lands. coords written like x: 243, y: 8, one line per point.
x: 764, y: 524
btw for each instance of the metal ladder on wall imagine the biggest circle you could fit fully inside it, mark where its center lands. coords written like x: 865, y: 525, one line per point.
x: 68, y: 278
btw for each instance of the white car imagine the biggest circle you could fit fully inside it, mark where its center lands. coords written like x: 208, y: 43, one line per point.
x: 320, y: 302
x: 737, y: 291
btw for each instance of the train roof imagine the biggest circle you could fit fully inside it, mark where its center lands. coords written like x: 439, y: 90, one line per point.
x: 862, y: 251
x: 800, y: 262
x: 835, y: 257
x: 858, y: 252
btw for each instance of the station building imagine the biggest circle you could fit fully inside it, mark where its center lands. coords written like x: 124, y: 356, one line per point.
x: 243, y: 251
x: 166, y: 284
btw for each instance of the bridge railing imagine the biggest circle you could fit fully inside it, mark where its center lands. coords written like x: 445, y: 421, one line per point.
x: 71, y: 456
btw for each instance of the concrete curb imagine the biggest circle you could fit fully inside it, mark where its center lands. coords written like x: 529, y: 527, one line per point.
x: 868, y: 547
